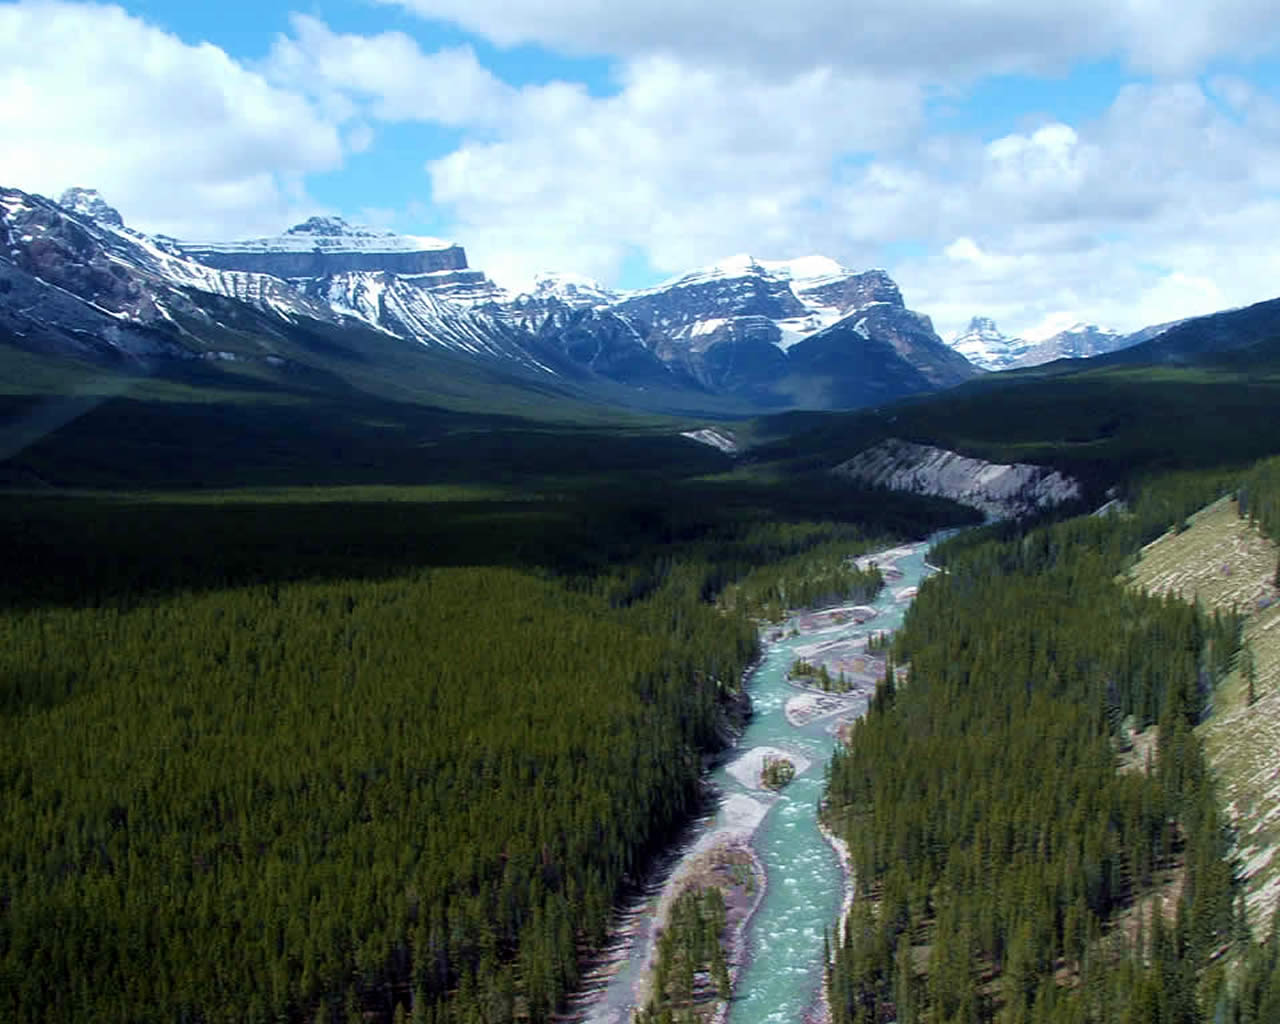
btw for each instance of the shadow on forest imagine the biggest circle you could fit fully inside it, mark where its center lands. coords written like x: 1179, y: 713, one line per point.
x: 90, y: 549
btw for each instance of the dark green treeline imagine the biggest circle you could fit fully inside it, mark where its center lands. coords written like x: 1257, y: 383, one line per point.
x: 1007, y: 855
x: 1259, y: 496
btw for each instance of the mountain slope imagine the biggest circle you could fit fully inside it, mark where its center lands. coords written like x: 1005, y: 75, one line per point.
x: 800, y: 332
x: 1205, y: 338
x: 1080, y: 341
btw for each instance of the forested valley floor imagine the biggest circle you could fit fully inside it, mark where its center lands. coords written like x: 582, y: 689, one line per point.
x: 369, y: 756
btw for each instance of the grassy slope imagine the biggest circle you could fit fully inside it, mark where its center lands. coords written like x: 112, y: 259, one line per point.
x: 1224, y: 562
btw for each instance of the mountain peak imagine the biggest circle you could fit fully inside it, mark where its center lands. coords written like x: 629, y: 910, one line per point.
x: 88, y: 202
x: 803, y: 272
x: 574, y: 289
x: 983, y: 344
x: 325, y: 226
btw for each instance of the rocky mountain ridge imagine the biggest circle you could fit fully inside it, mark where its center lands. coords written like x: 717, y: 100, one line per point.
x: 984, y: 345
x: 774, y: 334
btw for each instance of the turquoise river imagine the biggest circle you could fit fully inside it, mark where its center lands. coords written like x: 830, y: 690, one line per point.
x: 781, y: 980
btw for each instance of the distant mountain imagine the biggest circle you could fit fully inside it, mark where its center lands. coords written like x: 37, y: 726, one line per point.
x: 984, y: 345
x: 1079, y: 341
x: 572, y: 289
x: 804, y: 332
x: 762, y: 333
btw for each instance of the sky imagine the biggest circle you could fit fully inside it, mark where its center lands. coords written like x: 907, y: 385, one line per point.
x: 1114, y: 161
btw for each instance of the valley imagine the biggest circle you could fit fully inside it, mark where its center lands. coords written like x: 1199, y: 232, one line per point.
x: 370, y: 633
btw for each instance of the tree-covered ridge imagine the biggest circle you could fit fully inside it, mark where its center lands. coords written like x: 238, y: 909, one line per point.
x: 823, y: 575
x: 983, y: 806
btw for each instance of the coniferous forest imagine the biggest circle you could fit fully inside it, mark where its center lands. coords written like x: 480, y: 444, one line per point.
x: 381, y: 757
x: 1020, y: 853
x: 381, y: 752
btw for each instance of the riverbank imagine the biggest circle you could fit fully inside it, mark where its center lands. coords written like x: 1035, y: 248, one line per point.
x: 822, y: 1014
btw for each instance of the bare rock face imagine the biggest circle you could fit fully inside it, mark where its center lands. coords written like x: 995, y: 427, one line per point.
x: 854, y: 291
x: 88, y: 202
x: 998, y: 491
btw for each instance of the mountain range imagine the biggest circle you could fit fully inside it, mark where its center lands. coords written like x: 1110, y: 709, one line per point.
x: 743, y: 336
x: 753, y: 333
x: 985, y: 346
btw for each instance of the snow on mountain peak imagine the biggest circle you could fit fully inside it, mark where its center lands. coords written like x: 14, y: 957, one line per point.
x: 803, y: 271
x: 806, y: 269
x: 983, y: 344
x: 88, y: 202
x: 326, y: 226
x: 328, y: 234
x: 574, y: 289
x: 1056, y: 324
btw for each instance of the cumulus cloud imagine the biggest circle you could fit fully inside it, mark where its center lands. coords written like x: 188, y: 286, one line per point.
x: 385, y: 76
x: 1160, y: 208
x: 937, y: 39
x: 683, y: 163
x: 690, y: 160
x: 726, y: 130
x: 182, y: 138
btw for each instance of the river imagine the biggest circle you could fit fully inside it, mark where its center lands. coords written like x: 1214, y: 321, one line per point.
x: 781, y: 980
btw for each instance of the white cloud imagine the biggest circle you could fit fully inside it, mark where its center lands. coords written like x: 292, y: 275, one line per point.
x: 937, y: 39
x: 686, y: 164
x: 386, y: 76
x: 728, y: 130
x: 182, y: 138
x: 1163, y: 207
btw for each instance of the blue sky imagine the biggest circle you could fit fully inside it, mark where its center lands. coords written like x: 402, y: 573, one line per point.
x: 1031, y: 161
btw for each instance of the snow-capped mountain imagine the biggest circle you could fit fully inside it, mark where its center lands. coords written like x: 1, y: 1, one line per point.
x: 75, y: 277
x: 983, y: 344
x: 1079, y: 341
x: 774, y: 333
x: 322, y: 248
x: 572, y: 289
x: 769, y: 329
x: 88, y: 202
x: 78, y: 278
